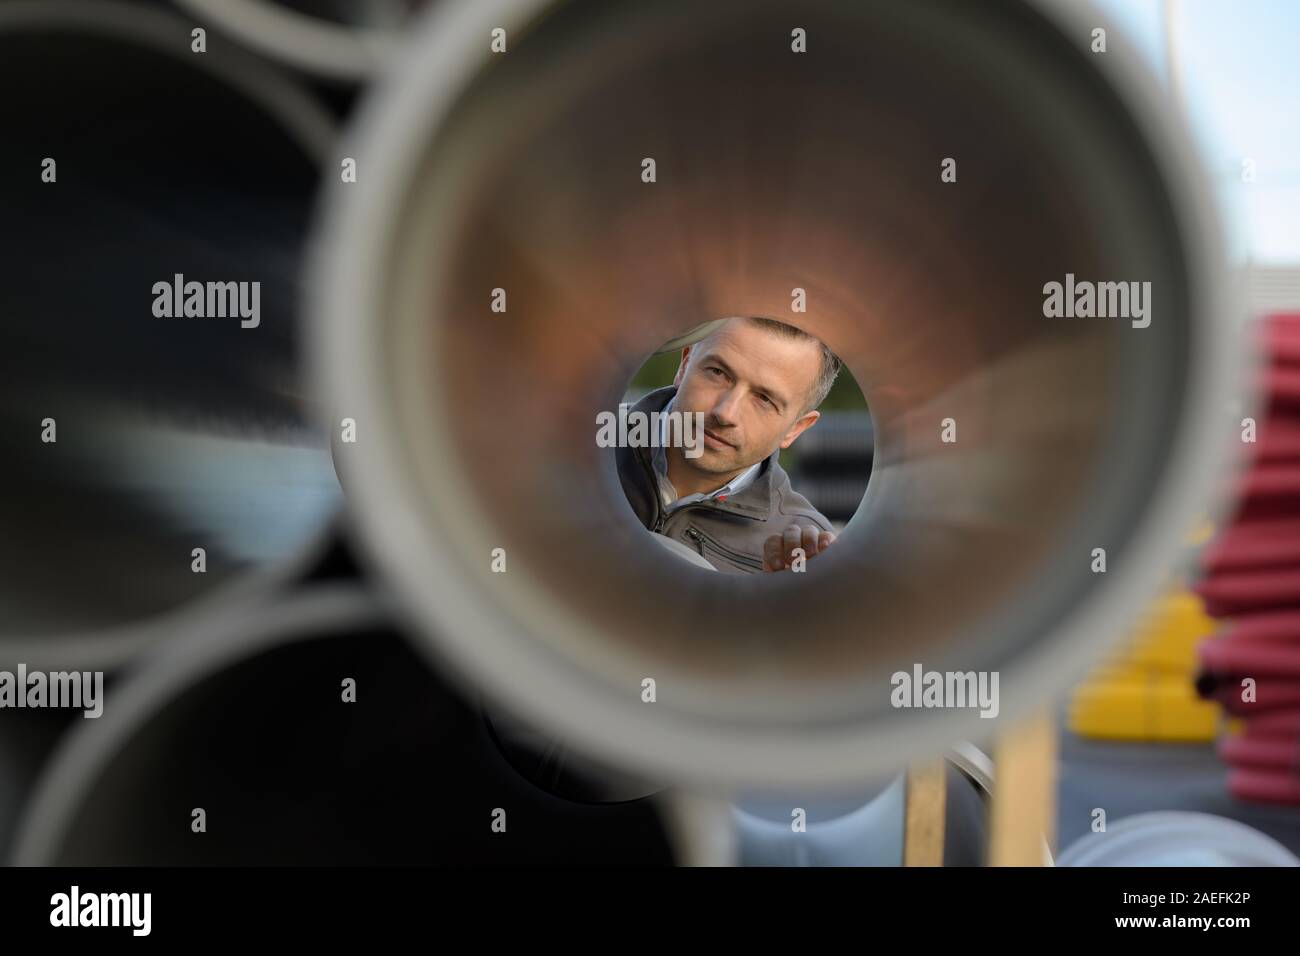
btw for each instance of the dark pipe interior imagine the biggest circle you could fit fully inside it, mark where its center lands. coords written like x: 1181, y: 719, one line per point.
x: 173, y: 433
x: 290, y: 774
x: 775, y: 171
x: 27, y: 738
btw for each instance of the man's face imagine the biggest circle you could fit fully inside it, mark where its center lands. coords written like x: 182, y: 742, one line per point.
x: 752, y: 385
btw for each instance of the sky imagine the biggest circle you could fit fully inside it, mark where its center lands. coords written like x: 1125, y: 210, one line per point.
x: 1240, y: 78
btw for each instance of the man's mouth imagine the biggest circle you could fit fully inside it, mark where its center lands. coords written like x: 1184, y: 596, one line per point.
x: 714, y: 442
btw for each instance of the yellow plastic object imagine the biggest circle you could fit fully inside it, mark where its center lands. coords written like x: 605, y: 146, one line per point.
x: 1165, y: 639
x: 1163, y: 707
x: 1145, y: 692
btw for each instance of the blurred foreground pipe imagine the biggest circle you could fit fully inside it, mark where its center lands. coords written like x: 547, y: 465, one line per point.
x: 132, y: 439
x: 27, y: 739
x: 246, y: 720
x: 873, y: 827
x: 340, y: 39
x: 774, y: 171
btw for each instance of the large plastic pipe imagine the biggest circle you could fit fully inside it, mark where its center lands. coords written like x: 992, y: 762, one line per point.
x: 133, y: 438
x: 27, y: 738
x: 775, y: 171
x: 344, y: 40
x: 246, y: 720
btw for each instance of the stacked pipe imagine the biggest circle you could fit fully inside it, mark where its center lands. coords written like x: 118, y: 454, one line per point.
x: 664, y: 186
x: 341, y: 749
x: 158, y: 463
x: 1252, y: 581
x: 169, y: 502
x: 166, y: 527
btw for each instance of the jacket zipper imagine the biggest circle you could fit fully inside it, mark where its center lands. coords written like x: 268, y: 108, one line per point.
x: 735, y: 556
x: 661, y: 517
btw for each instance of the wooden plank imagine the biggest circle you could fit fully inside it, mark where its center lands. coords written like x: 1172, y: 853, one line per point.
x: 1024, y: 793
x: 925, y: 798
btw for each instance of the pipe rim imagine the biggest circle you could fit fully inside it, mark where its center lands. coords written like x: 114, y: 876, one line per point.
x: 398, y: 122
x: 304, y: 120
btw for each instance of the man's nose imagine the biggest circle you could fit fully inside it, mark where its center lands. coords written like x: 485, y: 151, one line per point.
x: 725, y: 409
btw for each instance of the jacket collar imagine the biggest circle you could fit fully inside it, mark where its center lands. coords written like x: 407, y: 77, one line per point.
x: 752, y: 501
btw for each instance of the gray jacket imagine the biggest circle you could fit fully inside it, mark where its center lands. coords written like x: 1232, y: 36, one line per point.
x: 730, y: 533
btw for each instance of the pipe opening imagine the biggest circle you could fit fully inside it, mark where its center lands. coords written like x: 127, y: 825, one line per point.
x: 629, y: 171
x: 149, y: 359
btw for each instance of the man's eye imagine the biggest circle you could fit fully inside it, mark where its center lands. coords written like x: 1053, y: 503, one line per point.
x: 764, y: 398
x: 713, y: 370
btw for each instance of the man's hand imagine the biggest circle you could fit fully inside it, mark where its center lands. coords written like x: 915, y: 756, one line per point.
x: 778, y: 550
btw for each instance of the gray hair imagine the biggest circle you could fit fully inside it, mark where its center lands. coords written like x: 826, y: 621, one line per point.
x: 830, y: 367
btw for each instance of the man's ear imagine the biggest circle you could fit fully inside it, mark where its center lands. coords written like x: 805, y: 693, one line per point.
x: 681, y: 368
x: 801, y: 424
